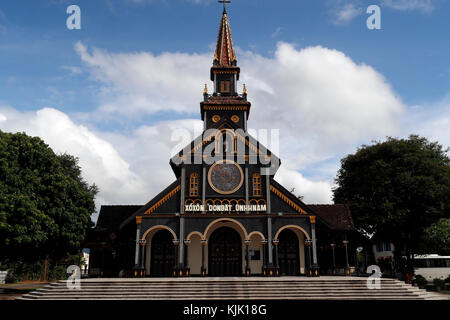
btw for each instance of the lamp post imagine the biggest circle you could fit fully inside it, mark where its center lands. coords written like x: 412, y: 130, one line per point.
x: 347, y: 267
x: 333, y: 270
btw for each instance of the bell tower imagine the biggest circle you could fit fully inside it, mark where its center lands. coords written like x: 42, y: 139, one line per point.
x: 225, y: 103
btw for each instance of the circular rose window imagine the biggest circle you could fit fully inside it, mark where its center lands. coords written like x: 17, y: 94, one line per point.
x: 225, y: 176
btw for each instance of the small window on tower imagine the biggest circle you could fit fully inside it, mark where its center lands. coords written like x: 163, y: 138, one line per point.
x: 257, y: 185
x: 193, y: 185
x: 225, y: 86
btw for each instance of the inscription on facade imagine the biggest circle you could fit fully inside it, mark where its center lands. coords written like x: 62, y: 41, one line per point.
x: 225, y: 207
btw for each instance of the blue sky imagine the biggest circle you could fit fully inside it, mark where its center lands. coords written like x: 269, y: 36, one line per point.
x: 74, y: 76
x: 411, y: 50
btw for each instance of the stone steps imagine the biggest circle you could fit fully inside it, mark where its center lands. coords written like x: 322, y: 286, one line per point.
x: 329, y: 288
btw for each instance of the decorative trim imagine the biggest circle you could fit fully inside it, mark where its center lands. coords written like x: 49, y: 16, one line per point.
x: 235, y: 118
x: 159, y: 227
x: 163, y: 200
x: 226, y: 108
x: 224, y: 71
x: 287, y: 200
x: 205, y: 234
x: 258, y: 234
x: 215, y: 118
x: 138, y: 219
x: 292, y: 226
x: 312, y: 219
x: 194, y: 233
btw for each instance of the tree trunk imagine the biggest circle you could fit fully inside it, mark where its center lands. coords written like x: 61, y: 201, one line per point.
x: 44, y: 271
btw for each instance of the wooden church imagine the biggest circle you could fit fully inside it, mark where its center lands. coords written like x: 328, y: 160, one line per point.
x: 224, y: 214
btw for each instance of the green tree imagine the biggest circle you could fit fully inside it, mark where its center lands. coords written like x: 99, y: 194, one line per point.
x: 396, y: 188
x: 45, y: 205
x: 437, y: 238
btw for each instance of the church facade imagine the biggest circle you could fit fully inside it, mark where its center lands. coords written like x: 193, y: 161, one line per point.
x: 224, y: 214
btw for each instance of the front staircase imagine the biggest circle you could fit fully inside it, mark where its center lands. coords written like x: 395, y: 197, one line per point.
x: 285, y: 288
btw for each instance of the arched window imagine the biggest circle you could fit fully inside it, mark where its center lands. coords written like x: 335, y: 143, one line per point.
x: 257, y: 185
x: 193, y: 185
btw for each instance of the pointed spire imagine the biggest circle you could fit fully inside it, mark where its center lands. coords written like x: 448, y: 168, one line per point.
x: 224, y: 55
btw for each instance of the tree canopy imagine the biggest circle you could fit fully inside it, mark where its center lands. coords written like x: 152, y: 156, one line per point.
x: 396, y: 188
x: 437, y: 237
x: 45, y: 205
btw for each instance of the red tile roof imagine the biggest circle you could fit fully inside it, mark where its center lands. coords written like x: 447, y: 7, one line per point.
x: 338, y: 216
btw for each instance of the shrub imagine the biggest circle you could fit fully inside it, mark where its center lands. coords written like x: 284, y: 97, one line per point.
x: 439, y: 283
x: 420, y: 280
x: 57, y: 273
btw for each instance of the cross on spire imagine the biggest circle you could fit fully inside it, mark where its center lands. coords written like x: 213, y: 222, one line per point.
x: 224, y: 4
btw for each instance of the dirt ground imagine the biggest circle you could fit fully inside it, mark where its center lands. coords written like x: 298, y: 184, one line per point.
x: 11, y: 291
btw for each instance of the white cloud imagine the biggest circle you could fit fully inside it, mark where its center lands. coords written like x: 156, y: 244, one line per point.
x: 313, y: 191
x: 73, y: 70
x: 324, y: 104
x: 145, y: 83
x: 407, y: 5
x: 345, y: 13
x: 431, y: 121
x: 277, y: 32
x: 98, y: 158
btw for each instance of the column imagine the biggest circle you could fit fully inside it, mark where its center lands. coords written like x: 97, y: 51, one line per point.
x: 181, y: 235
x: 142, y: 243
x: 148, y: 253
x: 333, y: 246
x: 246, y: 186
x: 247, y: 257
x: 203, y: 269
x: 277, y: 266
x: 269, y: 225
x: 245, y: 121
x: 186, y: 260
x: 263, y: 247
x: 315, y: 266
x: 204, y: 186
x: 137, y: 250
x: 308, y: 260
x: 347, y: 267
x: 269, y: 209
x: 175, y: 248
x: 269, y: 241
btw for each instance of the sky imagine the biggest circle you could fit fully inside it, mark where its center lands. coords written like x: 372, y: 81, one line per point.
x: 123, y: 91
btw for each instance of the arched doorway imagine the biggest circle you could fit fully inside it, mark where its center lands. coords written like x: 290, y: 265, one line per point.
x: 225, y: 253
x: 162, y: 254
x: 288, y: 253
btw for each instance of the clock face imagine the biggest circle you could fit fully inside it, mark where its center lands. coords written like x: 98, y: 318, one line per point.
x: 225, y: 176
